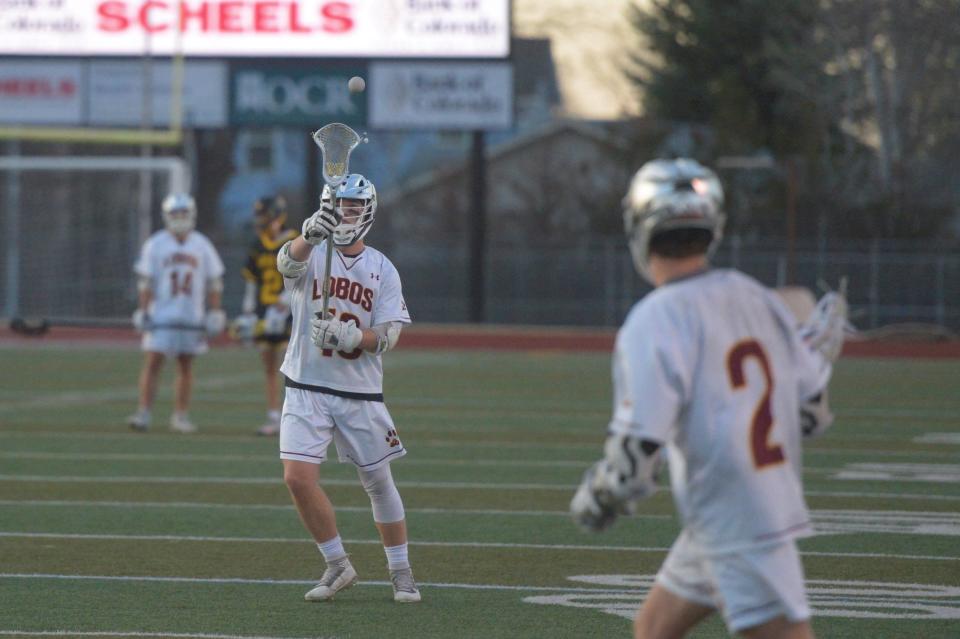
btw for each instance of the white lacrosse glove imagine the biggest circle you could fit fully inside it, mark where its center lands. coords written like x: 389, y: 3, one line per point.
x: 320, y: 225
x: 815, y: 415
x: 275, y: 319
x: 215, y: 322
x: 824, y: 331
x: 244, y: 326
x: 593, y: 508
x: 139, y: 319
x: 341, y: 336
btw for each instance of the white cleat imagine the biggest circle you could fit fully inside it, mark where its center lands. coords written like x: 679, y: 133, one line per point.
x: 139, y: 421
x: 181, y: 424
x: 338, y: 576
x: 404, y: 587
x: 269, y: 429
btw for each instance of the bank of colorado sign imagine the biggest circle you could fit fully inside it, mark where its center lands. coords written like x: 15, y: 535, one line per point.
x: 236, y: 28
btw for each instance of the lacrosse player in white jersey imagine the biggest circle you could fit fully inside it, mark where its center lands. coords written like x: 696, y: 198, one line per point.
x: 710, y: 371
x: 179, y: 280
x: 335, y: 380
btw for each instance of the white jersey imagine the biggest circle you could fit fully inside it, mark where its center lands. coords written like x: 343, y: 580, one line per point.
x: 713, y: 366
x: 178, y: 273
x: 365, y: 288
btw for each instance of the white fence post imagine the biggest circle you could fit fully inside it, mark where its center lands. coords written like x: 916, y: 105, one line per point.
x: 12, y: 233
x: 874, y: 294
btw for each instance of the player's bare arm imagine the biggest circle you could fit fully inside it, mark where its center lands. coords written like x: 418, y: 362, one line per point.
x: 215, y: 320
x: 144, y: 297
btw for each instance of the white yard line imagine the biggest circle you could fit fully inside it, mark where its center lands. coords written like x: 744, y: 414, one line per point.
x: 271, y: 481
x: 364, y: 509
x: 290, y: 582
x: 826, y: 522
x: 593, y: 448
x: 444, y: 544
x: 301, y: 540
x: 126, y: 479
x: 120, y: 633
x: 871, y: 495
x: 938, y: 438
x: 898, y: 413
x: 79, y: 397
x: 417, y: 461
x: 191, y: 457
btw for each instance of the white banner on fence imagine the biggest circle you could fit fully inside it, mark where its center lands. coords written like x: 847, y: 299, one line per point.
x: 36, y: 92
x: 117, y: 93
x: 263, y: 28
x: 443, y: 95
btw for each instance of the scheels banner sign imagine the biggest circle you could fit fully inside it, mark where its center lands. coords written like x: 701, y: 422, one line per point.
x: 236, y: 28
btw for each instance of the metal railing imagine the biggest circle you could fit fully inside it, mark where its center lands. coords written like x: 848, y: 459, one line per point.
x: 590, y: 283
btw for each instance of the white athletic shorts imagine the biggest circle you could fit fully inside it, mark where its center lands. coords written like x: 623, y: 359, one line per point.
x: 362, y: 430
x: 748, y: 587
x: 171, y: 341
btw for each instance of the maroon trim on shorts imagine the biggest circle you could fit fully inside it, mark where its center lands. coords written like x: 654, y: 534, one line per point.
x: 390, y: 454
x: 290, y: 452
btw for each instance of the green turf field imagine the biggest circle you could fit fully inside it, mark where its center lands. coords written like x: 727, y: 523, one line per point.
x: 104, y: 532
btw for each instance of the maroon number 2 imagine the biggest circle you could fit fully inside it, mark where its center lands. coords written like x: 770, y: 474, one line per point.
x: 764, y: 453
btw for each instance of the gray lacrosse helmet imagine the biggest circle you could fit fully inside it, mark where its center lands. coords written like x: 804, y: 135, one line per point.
x: 353, y: 187
x: 179, y: 224
x: 666, y: 195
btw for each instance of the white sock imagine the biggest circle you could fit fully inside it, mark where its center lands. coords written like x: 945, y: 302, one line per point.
x: 273, y: 416
x: 332, y: 549
x: 397, y: 557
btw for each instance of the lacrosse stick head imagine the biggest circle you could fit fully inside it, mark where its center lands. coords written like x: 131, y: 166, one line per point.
x: 336, y: 141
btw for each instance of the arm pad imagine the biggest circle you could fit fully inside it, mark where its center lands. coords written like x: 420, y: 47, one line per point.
x: 630, y: 467
x: 388, y: 334
x: 611, y: 487
x: 288, y: 266
x: 815, y: 415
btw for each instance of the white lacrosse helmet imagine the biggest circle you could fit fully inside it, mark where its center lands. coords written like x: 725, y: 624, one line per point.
x: 671, y: 194
x: 353, y: 187
x: 176, y: 223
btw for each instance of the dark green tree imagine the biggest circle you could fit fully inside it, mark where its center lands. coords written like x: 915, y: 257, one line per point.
x: 722, y: 63
x: 861, y: 95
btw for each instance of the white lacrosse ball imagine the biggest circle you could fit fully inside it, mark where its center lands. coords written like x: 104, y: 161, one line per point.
x: 356, y: 84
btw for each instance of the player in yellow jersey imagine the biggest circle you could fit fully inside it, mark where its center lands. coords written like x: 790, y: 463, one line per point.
x: 265, y: 315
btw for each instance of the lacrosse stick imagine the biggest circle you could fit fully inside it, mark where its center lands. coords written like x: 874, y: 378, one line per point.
x: 336, y: 142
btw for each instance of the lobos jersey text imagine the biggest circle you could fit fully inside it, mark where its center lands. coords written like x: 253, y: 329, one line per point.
x: 178, y: 275
x: 712, y: 366
x: 365, y: 289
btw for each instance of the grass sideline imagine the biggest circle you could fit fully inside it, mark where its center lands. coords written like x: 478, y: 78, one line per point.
x: 107, y: 531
